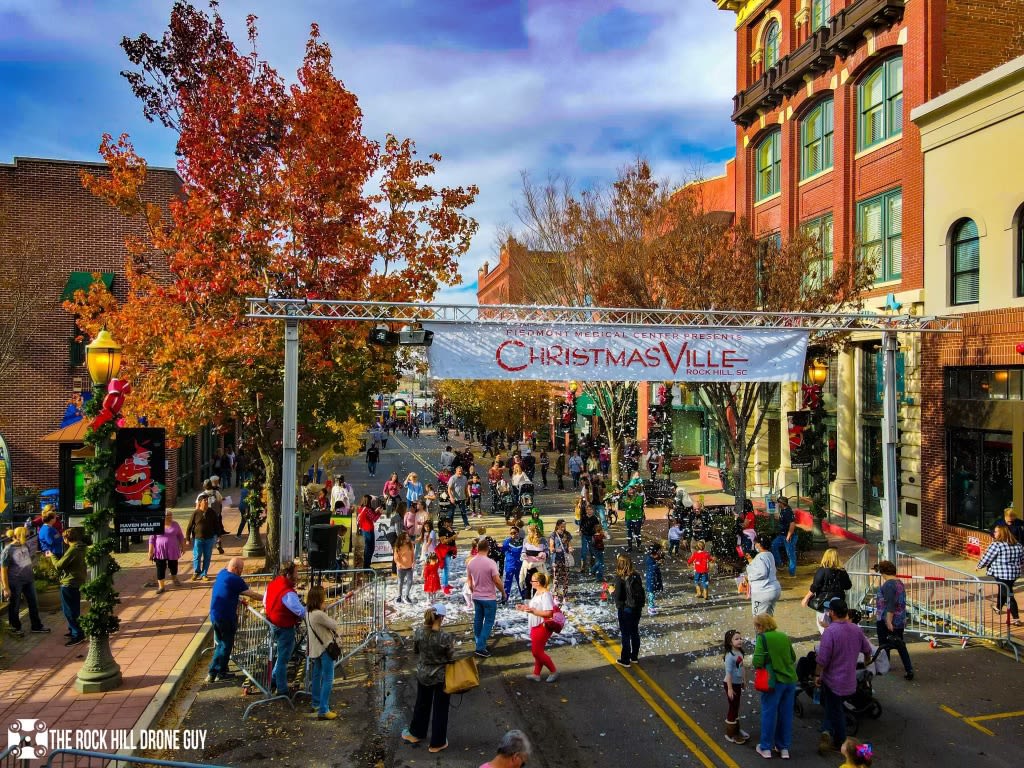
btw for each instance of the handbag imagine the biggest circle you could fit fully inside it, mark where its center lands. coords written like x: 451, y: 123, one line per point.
x: 461, y: 675
x: 763, y: 681
x: 557, y: 621
x: 332, y: 649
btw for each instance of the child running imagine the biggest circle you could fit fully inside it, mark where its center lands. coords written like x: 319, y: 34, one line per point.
x: 598, y: 547
x: 653, y: 575
x: 856, y: 754
x: 431, y: 578
x: 701, y: 560
x: 734, y: 686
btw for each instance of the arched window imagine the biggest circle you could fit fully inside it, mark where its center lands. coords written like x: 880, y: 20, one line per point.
x: 771, y: 44
x: 769, y: 166
x: 820, y: 12
x: 880, y: 104
x: 816, y: 140
x: 964, y: 268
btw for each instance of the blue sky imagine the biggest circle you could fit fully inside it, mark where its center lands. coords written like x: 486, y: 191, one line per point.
x: 573, y: 87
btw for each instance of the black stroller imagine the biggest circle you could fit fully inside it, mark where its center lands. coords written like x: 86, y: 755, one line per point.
x: 862, y: 703
x: 526, y: 496
x: 505, y: 505
x: 444, y: 504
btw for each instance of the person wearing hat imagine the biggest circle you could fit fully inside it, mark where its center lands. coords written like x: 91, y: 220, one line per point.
x: 435, y: 649
x: 50, y: 539
x: 71, y: 571
x: 785, y: 536
x: 16, y: 581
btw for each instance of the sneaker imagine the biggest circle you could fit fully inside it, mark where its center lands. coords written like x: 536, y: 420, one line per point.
x: 535, y: 678
x: 652, y: 611
x: 196, y: 576
x: 484, y: 654
x: 408, y: 737
x: 17, y: 633
x: 40, y: 630
x: 553, y: 677
x: 622, y: 663
x: 74, y: 641
x: 220, y: 550
x: 160, y: 590
x: 634, y: 660
x: 784, y: 754
x: 210, y: 678
x: 328, y: 716
x: 438, y: 749
x: 399, y: 600
x: 765, y: 753
x: 909, y: 675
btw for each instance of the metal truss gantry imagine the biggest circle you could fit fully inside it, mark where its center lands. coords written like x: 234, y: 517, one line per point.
x: 293, y: 311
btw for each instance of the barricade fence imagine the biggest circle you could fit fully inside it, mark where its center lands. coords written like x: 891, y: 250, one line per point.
x: 15, y: 757
x: 965, y: 608
x: 355, y: 600
x: 920, y: 567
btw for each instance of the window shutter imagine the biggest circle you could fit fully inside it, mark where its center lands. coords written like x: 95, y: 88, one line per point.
x: 894, y: 232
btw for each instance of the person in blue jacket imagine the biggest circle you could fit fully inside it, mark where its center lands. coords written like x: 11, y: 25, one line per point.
x: 50, y: 536
x: 512, y: 549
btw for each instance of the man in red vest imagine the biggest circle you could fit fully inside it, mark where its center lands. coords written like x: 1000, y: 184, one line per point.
x: 284, y: 611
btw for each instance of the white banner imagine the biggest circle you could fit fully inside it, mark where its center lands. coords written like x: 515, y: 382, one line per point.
x: 614, y: 353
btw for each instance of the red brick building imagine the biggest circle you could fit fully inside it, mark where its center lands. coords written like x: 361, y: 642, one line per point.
x: 824, y: 142
x: 504, y: 284
x: 53, y: 225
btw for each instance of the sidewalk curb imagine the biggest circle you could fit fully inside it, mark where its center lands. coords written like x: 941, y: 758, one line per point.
x: 176, y: 678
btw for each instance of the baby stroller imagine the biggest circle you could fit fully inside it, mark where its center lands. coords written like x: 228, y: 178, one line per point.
x: 444, y: 503
x: 505, y: 504
x: 862, y: 703
x: 526, y: 495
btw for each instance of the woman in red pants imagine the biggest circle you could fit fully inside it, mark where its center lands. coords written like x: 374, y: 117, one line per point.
x: 541, y: 607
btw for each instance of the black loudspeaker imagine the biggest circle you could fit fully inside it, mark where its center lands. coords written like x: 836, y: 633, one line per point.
x: 323, y: 547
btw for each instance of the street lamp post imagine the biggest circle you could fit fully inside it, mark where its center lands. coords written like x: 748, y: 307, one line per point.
x: 100, y: 672
x: 817, y: 482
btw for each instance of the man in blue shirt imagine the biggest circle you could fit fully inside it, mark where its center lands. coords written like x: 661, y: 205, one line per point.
x: 227, y: 588
x: 785, y: 537
x: 50, y: 538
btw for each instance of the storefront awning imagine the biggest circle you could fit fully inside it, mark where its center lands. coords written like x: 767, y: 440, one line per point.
x: 75, y: 433
x: 80, y: 281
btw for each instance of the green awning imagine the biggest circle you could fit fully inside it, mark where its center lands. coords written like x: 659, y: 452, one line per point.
x: 80, y: 281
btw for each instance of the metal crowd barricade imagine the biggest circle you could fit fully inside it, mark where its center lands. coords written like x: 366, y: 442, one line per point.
x: 938, y: 606
x: 919, y: 566
x: 80, y: 758
x: 860, y: 594
x: 254, y: 653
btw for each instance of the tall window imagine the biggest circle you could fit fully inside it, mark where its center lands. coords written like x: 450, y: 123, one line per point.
x: 880, y: 229
x: 769, y: 166
x: 979, y: 480
x: 964, y: 268
x: 819, y: 269
x: 771, y: 44
x: 819, y: 14
x: 1018, y: 224
x: 880, y: 104
x: 816, y: 140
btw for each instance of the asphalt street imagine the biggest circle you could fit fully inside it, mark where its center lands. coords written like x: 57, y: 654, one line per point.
x: 962, y: 708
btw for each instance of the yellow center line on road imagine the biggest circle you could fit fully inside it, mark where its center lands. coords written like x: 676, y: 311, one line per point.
x: 681, y: 713
x: 968, y: 720
x: 655, y: 707
x: 997, y: 716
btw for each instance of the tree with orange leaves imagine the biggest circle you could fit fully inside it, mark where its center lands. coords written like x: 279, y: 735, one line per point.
x: 283, y: 195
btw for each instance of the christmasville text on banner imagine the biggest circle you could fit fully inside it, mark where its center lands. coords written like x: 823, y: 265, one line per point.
x: 614, y: 353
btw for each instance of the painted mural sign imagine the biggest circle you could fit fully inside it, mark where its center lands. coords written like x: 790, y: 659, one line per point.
x: 140, y: 481
x: 615, y: 353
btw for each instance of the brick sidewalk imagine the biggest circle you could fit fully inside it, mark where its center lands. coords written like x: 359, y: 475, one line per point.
x: 156, y: 630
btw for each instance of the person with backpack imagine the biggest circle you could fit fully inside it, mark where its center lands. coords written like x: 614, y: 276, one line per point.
x: 830, y: 580
x: 629, y: 604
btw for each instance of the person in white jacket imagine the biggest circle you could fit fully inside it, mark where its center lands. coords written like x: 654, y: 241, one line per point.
x: 763, y: 578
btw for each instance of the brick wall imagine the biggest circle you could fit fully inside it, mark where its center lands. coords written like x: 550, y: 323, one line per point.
x: 980, y: 35
x: 987, y: 339
x: 48, y: 215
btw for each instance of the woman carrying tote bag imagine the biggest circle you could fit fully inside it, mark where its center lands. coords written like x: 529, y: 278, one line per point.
x: 435, y: 649
x: 775, y: 678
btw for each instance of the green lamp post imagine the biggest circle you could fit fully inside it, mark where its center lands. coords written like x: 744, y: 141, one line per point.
x: 100, y: 672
